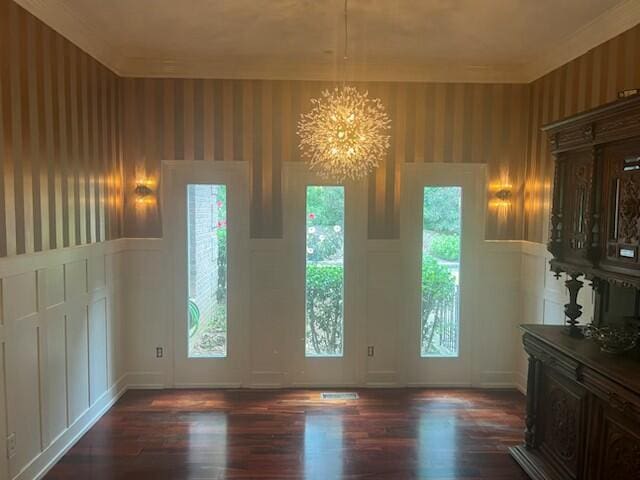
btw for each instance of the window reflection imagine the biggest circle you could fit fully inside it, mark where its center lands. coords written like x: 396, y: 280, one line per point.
x: 322, y: 447
x: 437, y: 442
x: 207, y: 441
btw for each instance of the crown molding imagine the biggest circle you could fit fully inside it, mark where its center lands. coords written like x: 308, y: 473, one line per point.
x: 608, y: 25
x: 60, y: 16
x: 273, y: 69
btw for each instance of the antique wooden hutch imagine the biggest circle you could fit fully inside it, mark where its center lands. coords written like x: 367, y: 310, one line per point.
x: 583, y: 405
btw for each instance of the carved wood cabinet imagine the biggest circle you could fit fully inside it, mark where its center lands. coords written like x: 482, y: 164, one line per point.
x: 583, y: 410
x: 583, y: 406
x: 595, y: 215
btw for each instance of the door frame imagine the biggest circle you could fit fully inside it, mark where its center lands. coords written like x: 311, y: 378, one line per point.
x: 416, y: 370
x: 176, y: 174
x: 350, y: 369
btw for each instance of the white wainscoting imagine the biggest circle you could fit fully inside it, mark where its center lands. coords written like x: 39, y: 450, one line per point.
x: 81, y: 325
x: 62, y: 354
x: 148, y: 326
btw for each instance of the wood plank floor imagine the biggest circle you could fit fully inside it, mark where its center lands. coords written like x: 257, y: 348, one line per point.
x: 292, y: 434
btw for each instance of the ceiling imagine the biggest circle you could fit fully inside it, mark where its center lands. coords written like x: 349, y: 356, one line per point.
x: 442, y: 40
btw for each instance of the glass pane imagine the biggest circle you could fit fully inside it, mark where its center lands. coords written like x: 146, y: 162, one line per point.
x: 207, y: 270
x: 441, y: 229
x: 324, y: 279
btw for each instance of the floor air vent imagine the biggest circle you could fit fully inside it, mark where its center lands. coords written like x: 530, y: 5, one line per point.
x: 339, y: 396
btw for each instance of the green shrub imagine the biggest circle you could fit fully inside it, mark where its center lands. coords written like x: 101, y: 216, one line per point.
x: 446, y: 247
x: 221, y: 261
x: 442, y: 209
x: 438, y: 291
x: 324, y: 308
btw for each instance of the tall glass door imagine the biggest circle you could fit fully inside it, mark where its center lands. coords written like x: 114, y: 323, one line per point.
x: 325, y: 235
x: 441, y: 230
x: 207, y: 224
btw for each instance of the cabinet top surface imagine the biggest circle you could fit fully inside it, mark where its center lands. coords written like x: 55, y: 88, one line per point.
x: 623, y: 369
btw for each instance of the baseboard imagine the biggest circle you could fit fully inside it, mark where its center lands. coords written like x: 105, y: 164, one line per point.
x: 381, y: 379
x: 439, y: 385
x: 145, y: 381
x: 209, y: 385
x: 41, y: 464
x: 520, y: 382
x: 495, y: 379
x: 267, y: 379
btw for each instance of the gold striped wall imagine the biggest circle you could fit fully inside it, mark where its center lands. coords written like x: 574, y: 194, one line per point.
x: 59, y: 140
x: 72, y: 134
x: 225, y: 120
x: 586, y: 82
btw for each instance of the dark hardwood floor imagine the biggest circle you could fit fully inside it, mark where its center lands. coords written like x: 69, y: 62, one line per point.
x: 290, y: 434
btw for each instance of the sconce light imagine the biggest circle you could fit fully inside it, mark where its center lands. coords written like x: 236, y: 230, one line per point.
x: 504, y: 195
x: 142, y: 191
x: 501, y: 197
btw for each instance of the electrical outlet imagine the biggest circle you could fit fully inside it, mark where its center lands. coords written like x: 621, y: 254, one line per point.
x: 370, y: 351
x: 159, y: 352
x: 11, y: 445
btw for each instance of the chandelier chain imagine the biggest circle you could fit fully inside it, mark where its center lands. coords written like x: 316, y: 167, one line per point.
x: 346, y: 30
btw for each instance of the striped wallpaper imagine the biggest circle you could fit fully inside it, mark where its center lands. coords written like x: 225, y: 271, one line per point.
x: 586, y: 82
x: 74, y: 137
x: 224, y: 120
x: 59, y: 140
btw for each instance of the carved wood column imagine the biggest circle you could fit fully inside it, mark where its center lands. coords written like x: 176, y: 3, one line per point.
x: 533, y: 384
x: 573, y: 310
x: 556, y: 221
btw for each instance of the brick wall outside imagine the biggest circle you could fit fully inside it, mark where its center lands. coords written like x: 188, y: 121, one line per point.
x: 203, y: 249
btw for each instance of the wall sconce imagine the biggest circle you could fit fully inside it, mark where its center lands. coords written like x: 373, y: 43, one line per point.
x: 501, y: 196
x: 142, y: 191
x: 504, y: 196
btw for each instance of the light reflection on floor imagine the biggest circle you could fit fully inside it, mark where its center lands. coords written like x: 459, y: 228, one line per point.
x: 323, y: 446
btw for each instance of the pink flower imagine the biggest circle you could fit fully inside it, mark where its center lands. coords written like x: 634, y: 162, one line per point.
x: 312, y: 216
x: 219, y: 203
x: 219, y: 224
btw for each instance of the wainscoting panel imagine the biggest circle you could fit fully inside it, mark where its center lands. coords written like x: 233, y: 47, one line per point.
x: 499, y: 308
x: 58, y: 343
x: 23, y: 394
x: 268, y: 314
x: 77, y: 361
x: 384, y: 310
x: 98, y: 339
x: 56, y: 374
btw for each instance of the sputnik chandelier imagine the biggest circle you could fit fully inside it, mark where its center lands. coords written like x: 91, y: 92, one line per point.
x: 345, y: 135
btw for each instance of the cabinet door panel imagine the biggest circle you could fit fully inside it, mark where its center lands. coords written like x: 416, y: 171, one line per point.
x: 621, y: 192
x: 577, y: 205
x: 618, y: 444
x: 562, y: 421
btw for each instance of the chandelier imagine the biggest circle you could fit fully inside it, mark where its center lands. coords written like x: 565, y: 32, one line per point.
x: 345, y: 135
